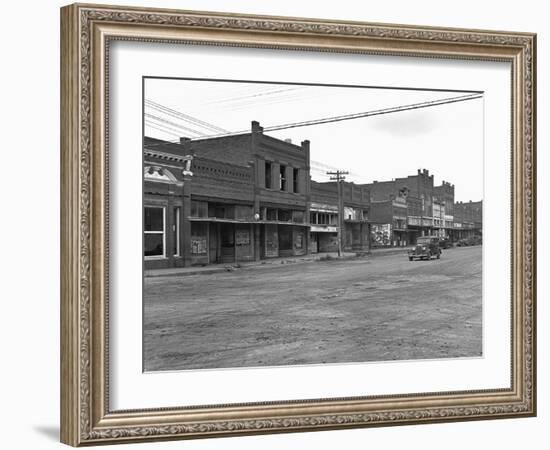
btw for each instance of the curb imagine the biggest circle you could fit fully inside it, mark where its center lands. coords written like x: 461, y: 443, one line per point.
x: 232, y: 268
x: 267, y: 263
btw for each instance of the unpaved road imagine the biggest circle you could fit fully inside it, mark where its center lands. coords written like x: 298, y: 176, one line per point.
x: 383, y: 308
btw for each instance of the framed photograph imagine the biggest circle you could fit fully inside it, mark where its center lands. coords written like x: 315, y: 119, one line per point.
x: 275, y: 224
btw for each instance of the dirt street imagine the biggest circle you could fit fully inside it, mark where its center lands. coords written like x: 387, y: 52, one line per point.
x: 375, y: 309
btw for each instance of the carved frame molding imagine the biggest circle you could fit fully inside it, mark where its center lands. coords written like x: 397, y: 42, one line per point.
x: 86, y: 32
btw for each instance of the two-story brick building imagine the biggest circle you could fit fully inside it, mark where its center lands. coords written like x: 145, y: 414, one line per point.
x: 389, y: 222
x: 402, y: 208
x: 227, y: 199
x: 325, y: 219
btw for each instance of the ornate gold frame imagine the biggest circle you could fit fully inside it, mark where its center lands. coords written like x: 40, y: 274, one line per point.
x: 85, y: 34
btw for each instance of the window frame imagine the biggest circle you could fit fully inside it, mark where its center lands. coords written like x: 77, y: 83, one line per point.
x: 268, y: 176
x: 163, y: 232
x: 282, y: 178
x: 176, y: 230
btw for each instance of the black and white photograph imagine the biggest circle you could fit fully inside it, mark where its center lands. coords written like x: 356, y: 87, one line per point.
x: 291, y: 224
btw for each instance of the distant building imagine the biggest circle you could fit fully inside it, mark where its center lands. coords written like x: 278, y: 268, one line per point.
x: 430, y: 210
x: 443, y: 212
x: 402, y: 208
x: 468, y: 219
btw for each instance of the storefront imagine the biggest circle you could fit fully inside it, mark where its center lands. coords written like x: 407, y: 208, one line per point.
x: 324, y: 228
x: 356, y: 236
x: 228, y: 242
x: 324, y: 238
x: 282, y: 240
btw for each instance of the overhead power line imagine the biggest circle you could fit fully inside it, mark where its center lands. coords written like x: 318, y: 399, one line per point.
x: 173, y: 124
x: 164, y: 131
x: 246, y: 98
x: 376, y: 112
x: 173, y: 131
x: 184, y: 117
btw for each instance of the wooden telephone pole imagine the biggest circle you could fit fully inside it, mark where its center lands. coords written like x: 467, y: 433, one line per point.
x: 339, y: 177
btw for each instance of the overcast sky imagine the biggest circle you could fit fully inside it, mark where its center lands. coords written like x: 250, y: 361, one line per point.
x: 446, y: 139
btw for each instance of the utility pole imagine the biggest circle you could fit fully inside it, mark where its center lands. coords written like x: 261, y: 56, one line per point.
x: 339, y: 177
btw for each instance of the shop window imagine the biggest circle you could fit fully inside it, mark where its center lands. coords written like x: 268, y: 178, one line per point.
x: 271, y: 214
x: 285, y: 215
x: 268, y: 184
x: 221, y: 211
x: 298, y: 216
x: 244, y: 212
x: 282, y: 178
x: 176, y: 231
x: 295, y: 182
x: 199, y: 209
x: 215, y: 210
x: 153, y: 230
x: 229, y: 212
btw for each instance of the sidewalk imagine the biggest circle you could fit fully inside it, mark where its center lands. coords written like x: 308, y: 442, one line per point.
x: 265, y: 263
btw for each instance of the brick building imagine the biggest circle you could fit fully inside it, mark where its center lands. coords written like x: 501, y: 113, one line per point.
x: 402, y: 209
x: 324, y: 217
x: 468, y: 220
x: 389, y: 222
x: 443, y: 210
x: 226, y: 199
x: 250, y: 196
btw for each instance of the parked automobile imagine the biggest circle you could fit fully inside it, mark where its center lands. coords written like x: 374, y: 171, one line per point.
x: 466, y: 242
x: 426, y: 247
x: 445, y: 243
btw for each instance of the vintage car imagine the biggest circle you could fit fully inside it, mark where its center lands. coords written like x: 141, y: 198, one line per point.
x: 445, y: 242
x: 426, y: 247
x: 466, y: 242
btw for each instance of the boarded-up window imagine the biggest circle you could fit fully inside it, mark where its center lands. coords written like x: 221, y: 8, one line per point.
x: 285, y: 238
x: 199, y: 240
x: 271, y: 241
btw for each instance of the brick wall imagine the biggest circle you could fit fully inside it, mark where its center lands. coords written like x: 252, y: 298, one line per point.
x: 381, y: 212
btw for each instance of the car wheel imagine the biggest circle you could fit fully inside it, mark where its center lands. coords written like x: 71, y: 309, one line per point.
x: 438, y: 255
x: 410, y: 258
